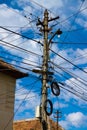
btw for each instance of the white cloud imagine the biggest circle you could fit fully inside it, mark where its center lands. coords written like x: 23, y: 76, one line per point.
x: 78, y: 56
x: 45, y: 3
x: 66, y: 97
x: 76, y: 120
x: 25, y: 101
x: 79, y: 89
x: 81, y: 22
x: 11, y: 17
x: 60, y: 105
x: 64, y: 124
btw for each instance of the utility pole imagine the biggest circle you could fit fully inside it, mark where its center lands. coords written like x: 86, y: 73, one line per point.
x: 57, y: 118
x: 44, y: 72
x: 45, y: 68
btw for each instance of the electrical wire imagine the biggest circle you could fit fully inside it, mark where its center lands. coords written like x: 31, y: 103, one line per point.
x: 75, y: 105
x: 72, y: 15
x: 75, y: 14
x: 18, y: 57
x: 74, y: 43
x: 21, y: 62
x: 23, y: 16
x: 78, y: 29
x: 10, y: 97
x: 80, y: 88
x: 73, y: 20
x: 17, y: 44
x: 71, y: 74
x: 13, y: 35
x: 69, y: 61
x: 21, y: 35
x: 20, y: 89
x: 17, y: 47
x: 23, y: 68
x: 67, y: 17
x: 80, y: 57
x: 72, y: 82
x: 15, y: 11
x: 81, y: 97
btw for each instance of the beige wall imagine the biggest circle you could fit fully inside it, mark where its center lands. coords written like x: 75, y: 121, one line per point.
x: 7, y: 91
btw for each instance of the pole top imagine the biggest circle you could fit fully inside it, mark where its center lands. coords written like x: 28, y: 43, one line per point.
x: 46, y: 12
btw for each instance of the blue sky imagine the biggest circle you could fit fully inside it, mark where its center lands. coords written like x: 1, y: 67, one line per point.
x: 21, y: 16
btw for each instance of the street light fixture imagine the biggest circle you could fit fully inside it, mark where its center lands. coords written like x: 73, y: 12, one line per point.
x: 58, y: 32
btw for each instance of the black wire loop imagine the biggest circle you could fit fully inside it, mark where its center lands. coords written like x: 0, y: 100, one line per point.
x: 50, y: 107
x: 55, y: 88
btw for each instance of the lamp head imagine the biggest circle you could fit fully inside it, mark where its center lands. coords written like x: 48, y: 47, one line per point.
x: 59, y: 32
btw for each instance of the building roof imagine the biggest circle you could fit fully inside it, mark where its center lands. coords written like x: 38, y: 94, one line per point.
x: 33, y: 124
x: 10, y: 70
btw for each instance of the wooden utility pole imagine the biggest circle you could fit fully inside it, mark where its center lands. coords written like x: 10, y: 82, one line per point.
x: 45, y: 68
x: 57, y: 118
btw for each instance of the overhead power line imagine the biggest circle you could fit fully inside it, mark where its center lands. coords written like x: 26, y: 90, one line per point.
x: 74, y: 43
x: 18, y: 57
x: 73, y: 85
x: 77, y: 29
x: 69, y: 61
x: 21, y: 35
x: 20, y: 67
x: 19, y: 48
x: 20, y: 62
x: 76, y: 94
x: 78, y: 78
x: 72, y: 15
x: 15, y: 11
x: 73, y: 20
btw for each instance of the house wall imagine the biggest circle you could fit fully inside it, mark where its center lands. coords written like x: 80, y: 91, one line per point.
x: 7, y: 95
